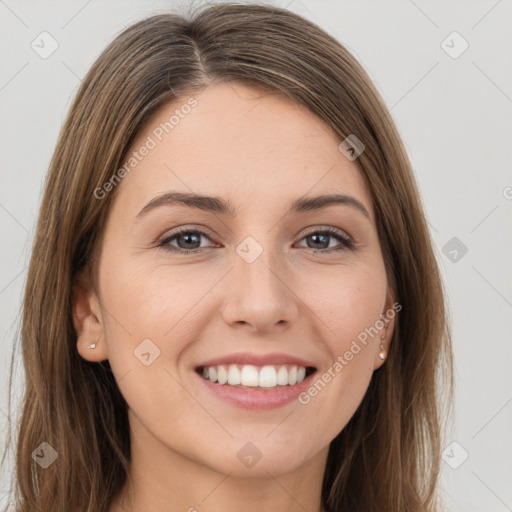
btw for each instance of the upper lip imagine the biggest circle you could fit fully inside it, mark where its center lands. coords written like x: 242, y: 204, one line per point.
x: 275, y: 358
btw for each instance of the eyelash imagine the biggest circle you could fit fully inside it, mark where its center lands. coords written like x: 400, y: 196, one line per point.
x: 346, y: 243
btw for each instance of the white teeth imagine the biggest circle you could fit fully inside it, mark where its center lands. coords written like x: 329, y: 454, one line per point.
x: 212, y: 373
x: 255, y: 376
x: 249, y: 375
x: 233, y: 375
x: 268, y: 377
x: 222, y: 375
x: 292, y: 376
x: 282, y: 376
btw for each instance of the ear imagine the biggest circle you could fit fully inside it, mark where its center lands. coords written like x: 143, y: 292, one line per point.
x: 385, y: 334
x: 87, y: 320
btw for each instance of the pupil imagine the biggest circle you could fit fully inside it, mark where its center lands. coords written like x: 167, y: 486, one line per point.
x: 316, y: 237
x: 187, y: 237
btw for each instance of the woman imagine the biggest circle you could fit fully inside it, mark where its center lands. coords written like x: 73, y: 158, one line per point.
x: 294, y: 356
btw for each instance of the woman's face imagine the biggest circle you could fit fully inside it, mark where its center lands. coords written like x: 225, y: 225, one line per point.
x: 261, y: 288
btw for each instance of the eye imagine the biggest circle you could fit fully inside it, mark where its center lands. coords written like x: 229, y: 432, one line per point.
x: 188, y: 241
x: 320, y: 238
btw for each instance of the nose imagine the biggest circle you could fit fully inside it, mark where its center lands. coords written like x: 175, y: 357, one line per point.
x: 260, y: 294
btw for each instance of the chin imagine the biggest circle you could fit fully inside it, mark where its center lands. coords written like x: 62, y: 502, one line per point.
x: 272, y: 454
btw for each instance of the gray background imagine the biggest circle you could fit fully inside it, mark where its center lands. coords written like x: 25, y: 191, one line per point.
x: 454, y: 115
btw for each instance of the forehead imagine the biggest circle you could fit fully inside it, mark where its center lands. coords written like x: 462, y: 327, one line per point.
x: 242, y: 143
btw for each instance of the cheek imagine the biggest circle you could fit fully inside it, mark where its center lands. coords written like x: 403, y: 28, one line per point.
x: 349, y: 304
x: 150, y: 323
x: 348, y: 300
x: 152, y: 301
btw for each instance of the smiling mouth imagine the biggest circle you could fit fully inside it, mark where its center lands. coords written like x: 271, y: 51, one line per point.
x: 256, y: 377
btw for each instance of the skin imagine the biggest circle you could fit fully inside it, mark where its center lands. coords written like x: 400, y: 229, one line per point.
x: 260, y: 152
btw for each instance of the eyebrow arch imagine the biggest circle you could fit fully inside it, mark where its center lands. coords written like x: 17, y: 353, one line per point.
x: 220, y: 206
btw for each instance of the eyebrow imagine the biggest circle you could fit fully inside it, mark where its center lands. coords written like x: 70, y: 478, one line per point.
x: 218, y: 205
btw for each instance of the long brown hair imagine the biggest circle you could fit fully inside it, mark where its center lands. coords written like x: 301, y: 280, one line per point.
x: 387, y: 457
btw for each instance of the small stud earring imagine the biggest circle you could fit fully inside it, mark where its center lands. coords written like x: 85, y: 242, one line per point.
x: 93, y: 345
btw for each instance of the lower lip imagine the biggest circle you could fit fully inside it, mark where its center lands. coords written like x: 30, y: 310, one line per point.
x: 256, y: 398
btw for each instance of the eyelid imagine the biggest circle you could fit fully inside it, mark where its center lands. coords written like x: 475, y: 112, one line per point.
x: 200, y: 230
x: 205, y: 231
x: 329, y: 229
